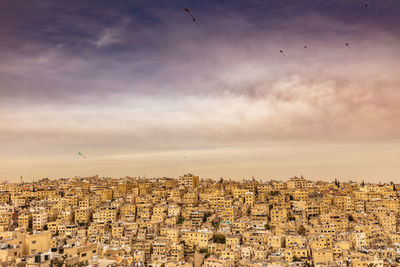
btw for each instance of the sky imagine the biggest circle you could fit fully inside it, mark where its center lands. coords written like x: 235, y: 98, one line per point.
x: 140, y: 90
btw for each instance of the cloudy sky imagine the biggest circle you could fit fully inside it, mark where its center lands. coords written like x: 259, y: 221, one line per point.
x: 139, y: 89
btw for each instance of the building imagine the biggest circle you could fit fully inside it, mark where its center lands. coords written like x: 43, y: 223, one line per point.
x: 189, y: 180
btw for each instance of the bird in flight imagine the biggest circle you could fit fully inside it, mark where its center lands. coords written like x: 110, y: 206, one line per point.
x: 83, y: 156
x: 281, y: 51
x: 190, y: 14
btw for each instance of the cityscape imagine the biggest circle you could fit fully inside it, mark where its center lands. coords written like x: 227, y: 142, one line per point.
x: 192, y: 221
x: 200, y: 133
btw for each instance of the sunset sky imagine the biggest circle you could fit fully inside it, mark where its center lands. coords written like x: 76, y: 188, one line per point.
x: 139, y: 89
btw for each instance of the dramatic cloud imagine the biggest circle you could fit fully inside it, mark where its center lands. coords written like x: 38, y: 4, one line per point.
x: 139, y: 81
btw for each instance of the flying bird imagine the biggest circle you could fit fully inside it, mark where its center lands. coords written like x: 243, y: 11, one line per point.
x: 348, y: 45
x: 283, y: 54
x: 83, y: 156
x: 305, y: 47
x: 193, y: 18
x: 366, y: 6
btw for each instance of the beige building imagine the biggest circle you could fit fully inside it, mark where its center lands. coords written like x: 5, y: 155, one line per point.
x: 189, y: 180
x: 82, y: 215
x: 25, y: 220
x: 106, y: 214
x: 298, y: 183
x: 216, y: 262
x: 39, y: 220
x: 197, y: 238
x: 37, y: 242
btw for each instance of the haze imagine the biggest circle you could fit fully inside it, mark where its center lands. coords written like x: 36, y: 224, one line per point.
x: 140, y: 90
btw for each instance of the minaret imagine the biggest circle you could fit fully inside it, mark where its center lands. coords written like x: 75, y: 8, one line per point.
x: 33, y: 185
x: 20, y: 180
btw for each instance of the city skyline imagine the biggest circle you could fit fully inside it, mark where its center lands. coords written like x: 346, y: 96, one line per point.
x: 139, y: 89
x: 191, y: 222
x: 24, y: 181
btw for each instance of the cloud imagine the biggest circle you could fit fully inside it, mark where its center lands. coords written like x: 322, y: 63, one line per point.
x: 109, y: 37
x: 114, y: 82
x: 242, y: 82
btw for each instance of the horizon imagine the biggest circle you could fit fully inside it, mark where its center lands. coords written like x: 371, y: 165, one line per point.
x: 225, y: 179
x: 254, y: 88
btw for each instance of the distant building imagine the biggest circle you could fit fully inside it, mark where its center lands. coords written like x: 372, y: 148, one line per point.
x: 189, y: 180
x: 298, y: 183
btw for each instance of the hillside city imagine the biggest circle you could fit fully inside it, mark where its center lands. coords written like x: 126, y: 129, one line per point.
x: 192, y: 221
